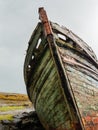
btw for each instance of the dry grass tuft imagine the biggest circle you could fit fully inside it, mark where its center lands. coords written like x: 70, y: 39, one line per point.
x: 6, y: 117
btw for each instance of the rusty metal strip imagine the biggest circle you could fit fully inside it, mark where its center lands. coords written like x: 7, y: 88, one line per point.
x: 43, y: 17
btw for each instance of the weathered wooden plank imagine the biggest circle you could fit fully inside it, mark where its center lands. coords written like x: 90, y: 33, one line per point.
x: 32, y: 45
x: 39, y: 70
x: 84, y: 85
x: 76, y: 55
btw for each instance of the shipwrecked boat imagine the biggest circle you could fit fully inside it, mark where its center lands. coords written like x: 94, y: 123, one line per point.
x: 61, y: 76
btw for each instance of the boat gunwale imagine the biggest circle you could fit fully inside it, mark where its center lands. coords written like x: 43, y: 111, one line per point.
x: 73, y: 37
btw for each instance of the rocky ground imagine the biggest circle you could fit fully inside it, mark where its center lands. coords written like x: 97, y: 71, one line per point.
x: 24, y: 121
x: 17, y: 113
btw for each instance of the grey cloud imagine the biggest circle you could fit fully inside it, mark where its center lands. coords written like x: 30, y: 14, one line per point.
x: 19, y: 18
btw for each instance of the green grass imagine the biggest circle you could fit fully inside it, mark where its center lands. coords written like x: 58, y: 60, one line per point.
x: 6, y: 117
x: 9, y: 108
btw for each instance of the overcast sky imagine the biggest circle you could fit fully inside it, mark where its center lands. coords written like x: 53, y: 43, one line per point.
x: 18, y: 18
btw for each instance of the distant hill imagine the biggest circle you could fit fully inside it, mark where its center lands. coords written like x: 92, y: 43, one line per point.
x: 13, y: 96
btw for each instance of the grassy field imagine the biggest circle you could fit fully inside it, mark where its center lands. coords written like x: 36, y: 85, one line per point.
x: 13, y: 104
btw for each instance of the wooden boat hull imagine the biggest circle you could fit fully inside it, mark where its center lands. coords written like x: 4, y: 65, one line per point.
x: 62, y: 80
x: 48, y: 96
